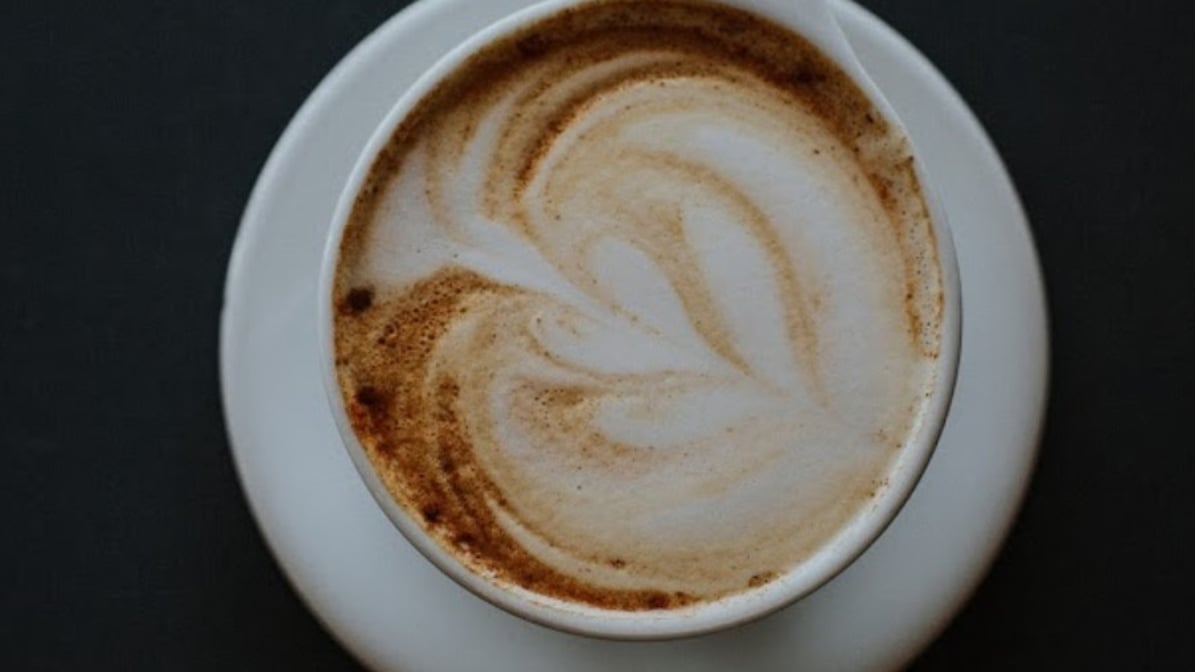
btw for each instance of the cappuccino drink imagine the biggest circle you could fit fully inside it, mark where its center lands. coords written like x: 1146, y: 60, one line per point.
x: 638, y: 306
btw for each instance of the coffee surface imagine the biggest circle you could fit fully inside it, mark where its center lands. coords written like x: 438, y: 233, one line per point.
x: 637, y: 307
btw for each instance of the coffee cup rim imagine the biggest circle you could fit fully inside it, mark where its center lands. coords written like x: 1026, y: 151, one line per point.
x: 829, y: 560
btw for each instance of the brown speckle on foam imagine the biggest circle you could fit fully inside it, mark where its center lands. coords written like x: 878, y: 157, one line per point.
x: 358, y: 300
x: 761, y: 579
x: 369, y: 396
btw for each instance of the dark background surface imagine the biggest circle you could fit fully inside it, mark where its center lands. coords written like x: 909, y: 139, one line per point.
x: 131, y: 134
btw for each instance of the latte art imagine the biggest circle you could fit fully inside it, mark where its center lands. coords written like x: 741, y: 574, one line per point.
x: 637, y: 308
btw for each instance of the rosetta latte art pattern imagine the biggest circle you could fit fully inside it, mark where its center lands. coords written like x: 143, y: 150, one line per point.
x: 636, y: 309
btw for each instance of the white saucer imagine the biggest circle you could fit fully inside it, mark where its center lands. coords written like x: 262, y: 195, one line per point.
x: 395, y: 611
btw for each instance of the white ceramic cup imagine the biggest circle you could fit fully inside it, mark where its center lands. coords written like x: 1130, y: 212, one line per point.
x: 812, y: 20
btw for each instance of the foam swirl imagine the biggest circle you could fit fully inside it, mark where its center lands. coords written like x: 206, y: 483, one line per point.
x: 636, y: 309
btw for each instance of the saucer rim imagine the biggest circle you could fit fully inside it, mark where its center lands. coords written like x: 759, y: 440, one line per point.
x: 240, y: 269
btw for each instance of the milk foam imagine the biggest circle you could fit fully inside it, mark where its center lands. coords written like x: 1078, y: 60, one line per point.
x: 642, y: 320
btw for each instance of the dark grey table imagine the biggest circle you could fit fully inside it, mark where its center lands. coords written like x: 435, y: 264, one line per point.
x: 132, y: 132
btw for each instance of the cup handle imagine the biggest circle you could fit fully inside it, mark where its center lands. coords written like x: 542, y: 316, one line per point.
x: 815, y: 20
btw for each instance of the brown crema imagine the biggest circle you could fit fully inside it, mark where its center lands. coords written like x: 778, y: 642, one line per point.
x: 557, y: 432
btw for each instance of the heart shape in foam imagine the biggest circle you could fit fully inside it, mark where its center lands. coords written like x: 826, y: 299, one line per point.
x: 648, y: 321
